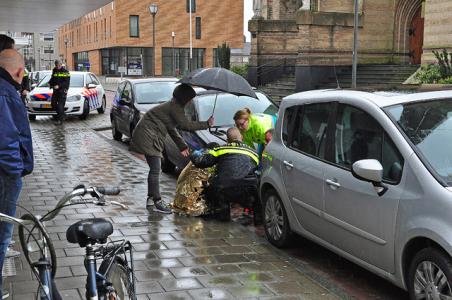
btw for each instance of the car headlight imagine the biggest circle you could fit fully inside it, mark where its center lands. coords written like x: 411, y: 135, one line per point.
x: 73, y: 98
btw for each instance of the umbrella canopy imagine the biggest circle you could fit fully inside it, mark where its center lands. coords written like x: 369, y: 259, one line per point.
x: 219, y: 79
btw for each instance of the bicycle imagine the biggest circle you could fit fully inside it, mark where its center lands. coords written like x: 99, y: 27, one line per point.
x: 113, y: 280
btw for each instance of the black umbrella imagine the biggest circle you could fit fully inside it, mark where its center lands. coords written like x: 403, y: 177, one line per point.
x: 219, y: 79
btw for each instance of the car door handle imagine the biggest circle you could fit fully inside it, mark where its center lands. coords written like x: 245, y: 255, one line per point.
x: 333, y: 183
x: 288, y: 164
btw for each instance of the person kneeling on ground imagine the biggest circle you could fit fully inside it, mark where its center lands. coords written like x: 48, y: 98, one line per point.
x: 235, y: 178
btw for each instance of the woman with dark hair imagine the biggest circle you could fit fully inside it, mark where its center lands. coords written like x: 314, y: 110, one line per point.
x: 149, y: 136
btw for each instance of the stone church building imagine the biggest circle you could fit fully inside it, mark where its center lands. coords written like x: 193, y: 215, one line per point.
x: 314, y: 38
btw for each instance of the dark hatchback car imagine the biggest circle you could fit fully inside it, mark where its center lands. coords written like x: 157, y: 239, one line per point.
x: 200, y: 109
x: 133, y: 98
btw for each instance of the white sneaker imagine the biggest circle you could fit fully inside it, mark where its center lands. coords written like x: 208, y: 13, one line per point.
x: 5, y: 294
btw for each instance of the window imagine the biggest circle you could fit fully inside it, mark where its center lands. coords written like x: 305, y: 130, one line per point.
x: 198, y: 28
x: 309, y: 135
x: 94, y: 79
x: 359, y: 136
x: 193, y: 6
x: 134, y: 26
x: 289, y: 116
x: 126, y: 94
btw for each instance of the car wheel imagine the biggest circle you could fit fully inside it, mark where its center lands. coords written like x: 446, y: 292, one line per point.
x: 167, y: 165
x: 117, y: 135
x: 430, y: 275
x: 85, y: 112
x: 101, y: 109
x: 31, y: 117
x: 276, y: 223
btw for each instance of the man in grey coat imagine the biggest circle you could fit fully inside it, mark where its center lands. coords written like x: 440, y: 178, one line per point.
x: 149, y: 136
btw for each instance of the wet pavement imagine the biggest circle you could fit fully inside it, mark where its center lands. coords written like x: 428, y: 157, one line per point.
x: 175, y: 257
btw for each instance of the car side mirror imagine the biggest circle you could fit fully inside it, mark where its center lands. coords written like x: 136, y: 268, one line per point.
x: 370, y: 170
x: 91, y: 86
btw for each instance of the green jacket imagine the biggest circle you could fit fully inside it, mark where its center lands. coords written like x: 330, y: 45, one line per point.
x: 149, y: 135
x: 259, y: 124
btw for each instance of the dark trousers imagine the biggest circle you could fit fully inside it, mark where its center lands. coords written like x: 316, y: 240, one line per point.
x: 220, y: 197
x: 58, y: 102
x: 154, y: 163
x: 9, y: 194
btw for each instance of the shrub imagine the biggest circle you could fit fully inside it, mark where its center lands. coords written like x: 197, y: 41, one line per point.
x: 241, y: 70
x: 224, y: 56
x: 441, y: 72
x: 429, y: 74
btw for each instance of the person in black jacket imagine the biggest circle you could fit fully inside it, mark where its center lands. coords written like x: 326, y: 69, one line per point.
x: 235, y: 178
x: 59, y: 82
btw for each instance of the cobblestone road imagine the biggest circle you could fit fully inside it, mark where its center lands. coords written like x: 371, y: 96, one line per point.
x: 175, y: 257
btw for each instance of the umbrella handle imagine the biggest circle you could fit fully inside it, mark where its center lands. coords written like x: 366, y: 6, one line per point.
x: 214, y: 104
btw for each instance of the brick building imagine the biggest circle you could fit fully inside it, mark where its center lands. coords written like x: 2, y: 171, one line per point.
x: 314, y: 38
x: 118, y: 36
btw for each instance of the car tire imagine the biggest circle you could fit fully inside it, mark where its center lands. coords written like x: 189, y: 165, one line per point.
x: 167, y: 165
x: 437, y: 265
x: 85, y: 111
x: 117, y: 135
x: 276, y: 223
x: 102, y: 109
x: 32, y: 117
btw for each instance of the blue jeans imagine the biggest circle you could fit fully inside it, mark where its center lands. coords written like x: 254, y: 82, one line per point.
x: 9, y: 194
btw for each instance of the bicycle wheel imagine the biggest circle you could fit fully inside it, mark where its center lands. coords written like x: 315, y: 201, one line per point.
x: 36, y: 243
x: 118, y: 273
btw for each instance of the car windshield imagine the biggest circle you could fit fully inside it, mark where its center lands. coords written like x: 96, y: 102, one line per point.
x: 154, y: 92
x: 76, y: 81
x: 428, y: 125
x: 228, y: 104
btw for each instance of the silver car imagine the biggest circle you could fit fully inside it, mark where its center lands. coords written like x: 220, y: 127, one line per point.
x: 368, y: 176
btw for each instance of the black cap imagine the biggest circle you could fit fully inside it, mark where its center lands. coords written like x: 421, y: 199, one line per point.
x: 184, y: 93
x: 57, y: 62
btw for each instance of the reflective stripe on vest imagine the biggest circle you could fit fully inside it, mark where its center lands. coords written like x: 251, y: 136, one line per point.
x: 61, y: 75
x: 234, y: 150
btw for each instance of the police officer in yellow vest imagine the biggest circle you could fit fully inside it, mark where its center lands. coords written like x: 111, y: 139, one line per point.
x: 235, y: 178
x: 59, y: 82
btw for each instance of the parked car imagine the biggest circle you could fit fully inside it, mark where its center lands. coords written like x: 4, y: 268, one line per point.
x: 133, y: 98
x: 369, y: 177
x: 200, y: 109
x: 84, y: 95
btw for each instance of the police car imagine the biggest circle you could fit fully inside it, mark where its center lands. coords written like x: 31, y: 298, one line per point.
x: 84, y: 95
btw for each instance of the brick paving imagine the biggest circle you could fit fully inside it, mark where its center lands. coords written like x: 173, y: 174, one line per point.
x: 176, y: 257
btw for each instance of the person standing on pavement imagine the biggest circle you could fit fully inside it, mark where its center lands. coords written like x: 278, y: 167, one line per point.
x: 16, y: 149
x: 59, y: 82
x: 151, y: 131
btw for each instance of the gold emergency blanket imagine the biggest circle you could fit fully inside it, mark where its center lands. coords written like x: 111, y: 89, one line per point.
x: 190, y: 185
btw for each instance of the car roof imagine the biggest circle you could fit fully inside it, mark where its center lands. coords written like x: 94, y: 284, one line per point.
x: 151, y: 79
x: 381, y: 99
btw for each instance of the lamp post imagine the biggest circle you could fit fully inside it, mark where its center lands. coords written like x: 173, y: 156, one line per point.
x: 153, y: 10
x: 355, y: 45
x: 173, y: 60
x: 66, y: 40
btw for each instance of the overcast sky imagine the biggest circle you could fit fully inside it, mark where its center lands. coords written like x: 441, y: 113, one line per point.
x: 248, y: 13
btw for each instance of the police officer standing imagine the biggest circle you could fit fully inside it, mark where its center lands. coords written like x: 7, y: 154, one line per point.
x: 59, y: 82
x: 25, y: 86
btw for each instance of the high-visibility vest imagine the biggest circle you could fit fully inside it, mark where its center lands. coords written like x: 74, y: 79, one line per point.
x: 258, y: 125
x: 233, y: 148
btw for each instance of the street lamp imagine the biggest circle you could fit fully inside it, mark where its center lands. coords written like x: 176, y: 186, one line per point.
x: 66, y: 40
x: 153, y: 10
x: 173, y: 61
x: 355, y: 44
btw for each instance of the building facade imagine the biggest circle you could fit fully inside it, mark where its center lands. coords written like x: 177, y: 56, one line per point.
x: 119, y: 36
x: 314, y: 38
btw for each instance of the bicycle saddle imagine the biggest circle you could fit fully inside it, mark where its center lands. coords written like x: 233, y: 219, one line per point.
x: 89, y: 231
